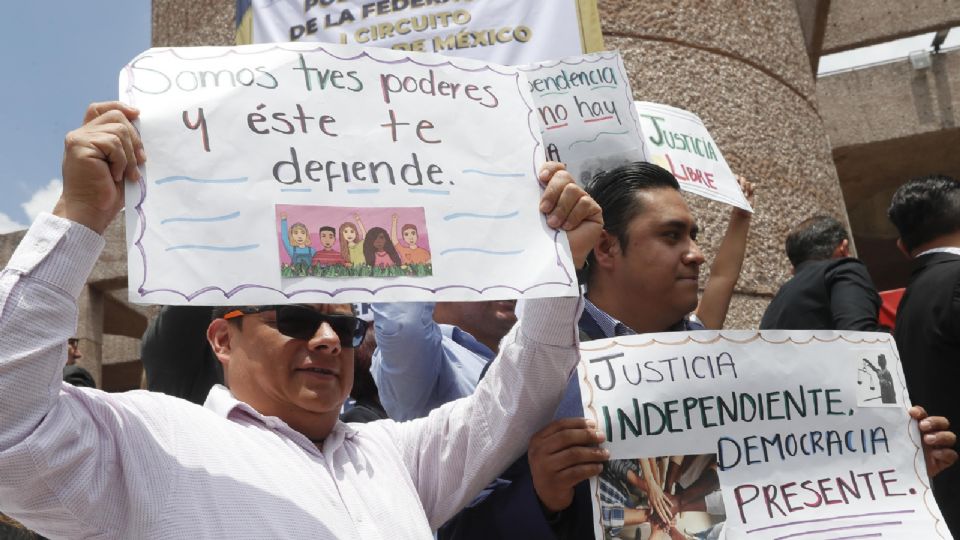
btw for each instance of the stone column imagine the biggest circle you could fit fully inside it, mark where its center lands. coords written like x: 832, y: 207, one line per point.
x: 743, y: 68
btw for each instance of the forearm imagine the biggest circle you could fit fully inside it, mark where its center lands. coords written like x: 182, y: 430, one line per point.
x: 406, y: 363
x: 477, y: 437
x: 285, y: 236
x: 724, y: 273
x: 38, y: 292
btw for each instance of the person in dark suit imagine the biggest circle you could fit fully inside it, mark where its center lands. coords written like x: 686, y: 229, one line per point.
x: 829, y: 290
x: 926, y: 212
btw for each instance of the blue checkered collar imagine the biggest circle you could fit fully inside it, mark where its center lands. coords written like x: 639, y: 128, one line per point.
x: 594, y: 320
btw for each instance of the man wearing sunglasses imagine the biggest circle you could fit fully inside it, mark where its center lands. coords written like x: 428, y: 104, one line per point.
x: 266, y: 456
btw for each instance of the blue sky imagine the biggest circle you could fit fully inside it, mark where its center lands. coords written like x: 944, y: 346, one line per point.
x: 57, y: 57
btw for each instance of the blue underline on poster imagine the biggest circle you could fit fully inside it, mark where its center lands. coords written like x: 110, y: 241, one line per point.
x: 171, y: 179
x: 201, y: 247
x: 225, y: 217
x: 459, y: 215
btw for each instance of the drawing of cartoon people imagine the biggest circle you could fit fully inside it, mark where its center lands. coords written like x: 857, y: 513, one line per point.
x: 296, y: 240
x: 377, y: 249
x: 326, y: 255
x: 351, y: 241
x: 410, y: 252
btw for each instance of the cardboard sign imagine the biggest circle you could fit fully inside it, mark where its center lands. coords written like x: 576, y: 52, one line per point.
x: 509, y: 32
x: 328, y: 173
x: 586, y: 113
x: 759, y: 436
x: 678, y: 141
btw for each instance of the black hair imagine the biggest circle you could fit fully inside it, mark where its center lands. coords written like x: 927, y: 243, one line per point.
x: 616, y: 192
x: 370, y: 252
x: 364, y: 387
x: 328, y: 228
x: 925, y: 208
x: 219, y: 311
x: 814, y: 239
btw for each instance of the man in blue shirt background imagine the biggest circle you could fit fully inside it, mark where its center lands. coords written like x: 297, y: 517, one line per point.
x: 428, y: 354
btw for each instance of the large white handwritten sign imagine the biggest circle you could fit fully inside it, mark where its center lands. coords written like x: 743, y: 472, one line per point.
x: 757, y: 436
x: 586, y: 113
x: 508, y: 32
x: 318, y: 173
x: 678, y: 141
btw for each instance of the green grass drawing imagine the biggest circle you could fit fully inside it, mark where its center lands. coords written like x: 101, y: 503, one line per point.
x: 364, y: 270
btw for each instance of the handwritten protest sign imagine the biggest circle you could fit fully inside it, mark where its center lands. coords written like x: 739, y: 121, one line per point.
x: 509, y: 32
x: 678, y: 141
x: 318, y: 173
x: 586, y: 113
x: 747, y: 435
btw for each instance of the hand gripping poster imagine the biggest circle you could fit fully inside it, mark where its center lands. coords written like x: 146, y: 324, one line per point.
x: 769, y: 435
x: 306, y: 172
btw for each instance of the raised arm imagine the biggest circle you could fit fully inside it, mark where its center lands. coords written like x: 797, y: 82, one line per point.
x: 285, y: 234
x: 477, y: 437
x: 361, y: 230
x: 61, y: 462
x: 393, y: 230
x: 97, y: 158
x: 725, y: 271
x: 409, y: 357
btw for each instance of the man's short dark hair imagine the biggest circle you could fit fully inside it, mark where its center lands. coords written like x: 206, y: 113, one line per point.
x: 616, y: 192
x: 814, y: 239
x: 925, y: 208
x: 219, y: 311
x: 329, y: 229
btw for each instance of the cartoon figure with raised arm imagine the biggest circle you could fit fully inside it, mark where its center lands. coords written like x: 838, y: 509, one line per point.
x: 410, y: 252
x: 326, y: 255
x: 296, y: 239
x: 887, y: 393
x: 351, y: 241
x: 378, y: 251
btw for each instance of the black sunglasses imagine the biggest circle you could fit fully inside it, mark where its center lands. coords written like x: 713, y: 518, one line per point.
x: 302, y: 322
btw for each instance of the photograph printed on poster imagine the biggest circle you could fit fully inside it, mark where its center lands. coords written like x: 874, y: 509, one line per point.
x: 662, y: 498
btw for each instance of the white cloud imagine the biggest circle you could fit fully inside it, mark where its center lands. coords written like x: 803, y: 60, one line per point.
x: 43, y: 199
x: 9, y: 225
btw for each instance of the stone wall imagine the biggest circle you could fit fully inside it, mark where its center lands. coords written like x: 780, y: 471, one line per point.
x: 858, y: 23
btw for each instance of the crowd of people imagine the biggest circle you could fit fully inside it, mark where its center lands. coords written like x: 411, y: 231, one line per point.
x: 463, y: 419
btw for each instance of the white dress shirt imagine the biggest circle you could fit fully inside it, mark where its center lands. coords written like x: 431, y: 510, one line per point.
x: 81, y: 463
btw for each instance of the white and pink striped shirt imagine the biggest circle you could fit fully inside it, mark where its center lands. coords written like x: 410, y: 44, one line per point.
x: 80, y: 463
